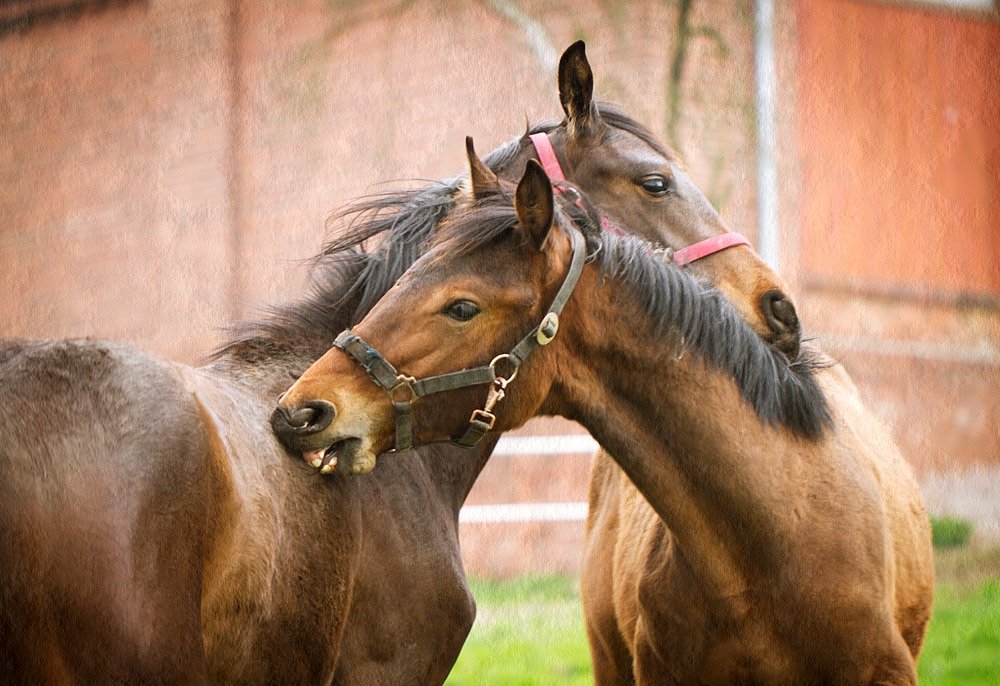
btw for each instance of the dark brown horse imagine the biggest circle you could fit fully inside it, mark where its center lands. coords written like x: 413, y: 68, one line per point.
x: 794, y: 554
x: 152, y: 529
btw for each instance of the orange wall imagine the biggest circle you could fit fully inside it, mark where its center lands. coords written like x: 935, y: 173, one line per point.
x: 899, y: 137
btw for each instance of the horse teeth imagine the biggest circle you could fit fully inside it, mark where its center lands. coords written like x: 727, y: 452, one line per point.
x: 328, y: 469
x: 313, y: 457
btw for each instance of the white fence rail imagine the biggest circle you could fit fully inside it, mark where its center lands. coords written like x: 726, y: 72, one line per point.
x: 513, y: 446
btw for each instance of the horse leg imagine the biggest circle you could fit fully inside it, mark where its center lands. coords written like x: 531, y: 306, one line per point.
x: 896, y: 668
x: 610, y: 656
x: 649, y: 667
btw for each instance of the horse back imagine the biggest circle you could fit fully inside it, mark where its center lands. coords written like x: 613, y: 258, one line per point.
x: 102, y: 516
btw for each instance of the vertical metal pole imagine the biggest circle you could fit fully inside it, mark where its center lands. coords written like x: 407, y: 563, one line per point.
x: 236, y: 163
x: 765, y: 77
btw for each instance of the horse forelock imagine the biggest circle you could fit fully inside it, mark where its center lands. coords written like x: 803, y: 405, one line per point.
x: 700, y: 318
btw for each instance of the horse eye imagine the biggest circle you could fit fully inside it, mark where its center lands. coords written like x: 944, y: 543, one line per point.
x: 461, y: 310
x: 656, y: 185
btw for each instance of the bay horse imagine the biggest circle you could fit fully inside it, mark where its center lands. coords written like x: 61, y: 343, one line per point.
x: 152, y: 529
x: 780, y: 561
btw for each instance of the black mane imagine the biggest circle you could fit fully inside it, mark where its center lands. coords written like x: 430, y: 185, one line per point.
x: 701, y: 319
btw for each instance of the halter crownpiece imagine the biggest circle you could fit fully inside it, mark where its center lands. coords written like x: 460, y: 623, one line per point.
x: 692, y: 253
x: 403, y: 390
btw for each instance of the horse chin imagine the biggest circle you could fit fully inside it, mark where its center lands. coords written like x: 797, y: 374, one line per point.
x: 355, y: 456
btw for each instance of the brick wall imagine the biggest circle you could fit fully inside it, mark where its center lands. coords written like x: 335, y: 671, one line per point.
x: 115, y: 170
x: 166, y: 166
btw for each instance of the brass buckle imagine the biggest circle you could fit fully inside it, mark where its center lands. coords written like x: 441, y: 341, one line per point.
x: 484, y: 416
x: 548, y: 329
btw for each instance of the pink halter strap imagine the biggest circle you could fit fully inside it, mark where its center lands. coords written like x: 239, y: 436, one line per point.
x: 550, y: 163
x: 692, y: 253
x: 709, y: 246
x: 547, y: 156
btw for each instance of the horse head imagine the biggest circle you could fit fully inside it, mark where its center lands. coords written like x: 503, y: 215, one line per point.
x: 465, y: 320
x: 640, y: 183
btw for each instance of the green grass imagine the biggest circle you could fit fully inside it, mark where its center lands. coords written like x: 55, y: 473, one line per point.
x: 950, y: 532
x: 529, y: 631
x: 963, y: 641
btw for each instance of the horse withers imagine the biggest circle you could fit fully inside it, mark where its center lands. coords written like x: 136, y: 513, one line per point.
x: 780, y: 559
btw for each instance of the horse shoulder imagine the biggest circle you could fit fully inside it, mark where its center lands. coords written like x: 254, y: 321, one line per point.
x: 284, y: 557
x: 95, y: 440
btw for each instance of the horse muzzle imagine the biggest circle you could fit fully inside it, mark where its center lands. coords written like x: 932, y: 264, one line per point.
x: 302, y: 430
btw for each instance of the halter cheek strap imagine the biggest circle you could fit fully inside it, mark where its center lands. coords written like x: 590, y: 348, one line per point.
x: 404, y: 390
x: 692, y: 253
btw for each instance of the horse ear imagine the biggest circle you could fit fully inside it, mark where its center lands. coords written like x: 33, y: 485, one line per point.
x: 534, y: 204
x: 484, y: 181
x: 576, y: 91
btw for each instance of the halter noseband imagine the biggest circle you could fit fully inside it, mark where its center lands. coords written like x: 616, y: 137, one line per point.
x: 692, y: 253
x: 403, y: 390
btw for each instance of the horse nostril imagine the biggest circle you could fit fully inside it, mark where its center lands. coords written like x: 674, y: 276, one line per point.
x: 780, y: 315
x: 302, y: 421
x: 302, y: 417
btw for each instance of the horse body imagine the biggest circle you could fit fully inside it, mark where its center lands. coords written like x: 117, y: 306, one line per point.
x: 186, y: 550
x: 779, y: 546
x: 91, y: 503
x: 747, y: 559
x: 633, y: 570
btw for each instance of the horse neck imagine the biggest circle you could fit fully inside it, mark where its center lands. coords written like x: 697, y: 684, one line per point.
x: 264, y: 366
x: 453, y: 470
x: 722, y: 480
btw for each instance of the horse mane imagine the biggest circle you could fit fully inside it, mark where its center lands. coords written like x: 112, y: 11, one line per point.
x: 375, y: 239
x: 781, y: 391
x: 679, y: 307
